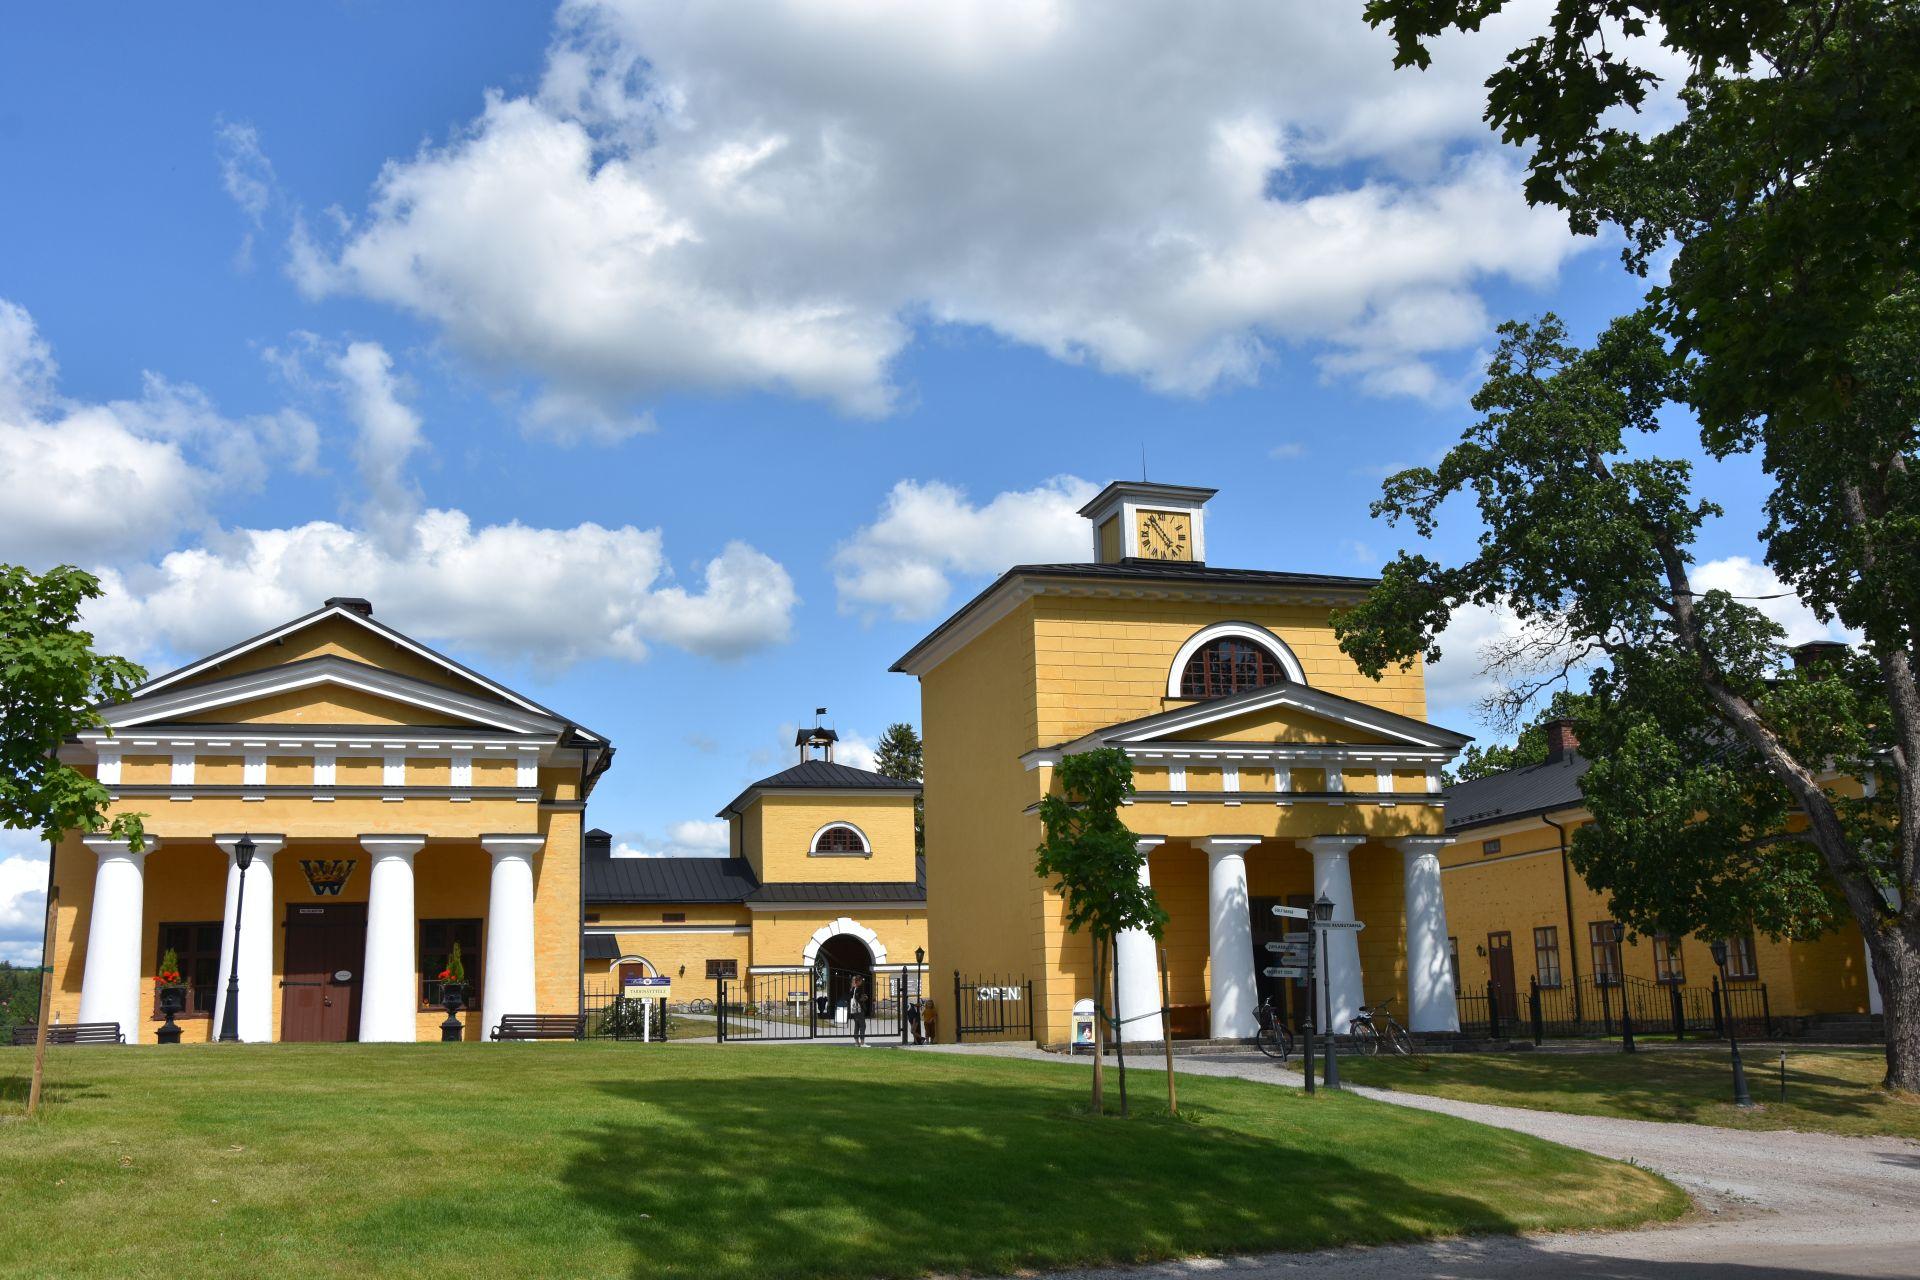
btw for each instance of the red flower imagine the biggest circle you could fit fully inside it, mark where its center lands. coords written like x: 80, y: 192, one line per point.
x: 446, y: 974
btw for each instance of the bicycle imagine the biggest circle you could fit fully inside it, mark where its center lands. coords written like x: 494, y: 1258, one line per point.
x: 1273, y: 1037
x: 1368, y: 1035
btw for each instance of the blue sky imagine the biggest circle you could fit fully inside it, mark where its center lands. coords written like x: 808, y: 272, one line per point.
x: 683, y: 370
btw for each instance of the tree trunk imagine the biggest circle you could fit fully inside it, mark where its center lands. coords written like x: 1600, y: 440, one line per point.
x: 1896, y: 966
x: 1099, y: 1030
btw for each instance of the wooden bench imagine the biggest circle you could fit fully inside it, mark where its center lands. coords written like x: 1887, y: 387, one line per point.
x: 539, y: 1026
x: 71, y: 1033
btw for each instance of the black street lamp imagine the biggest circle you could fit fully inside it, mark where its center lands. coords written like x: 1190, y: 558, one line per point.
x: 1619, y: 934
x: 230, y: 1020
x: 1322, y: 914
x: 1741, y: 1098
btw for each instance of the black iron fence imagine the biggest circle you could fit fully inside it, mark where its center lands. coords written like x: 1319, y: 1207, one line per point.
x: 824, y: 1003
x: 992, y: 1008
x: 1602, y: 1008
x: 612, y: 1016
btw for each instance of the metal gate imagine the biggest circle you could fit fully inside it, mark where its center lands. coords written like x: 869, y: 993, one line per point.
x: 992, y: 1008
x: 818, y: 1004
x: 612, y: 1016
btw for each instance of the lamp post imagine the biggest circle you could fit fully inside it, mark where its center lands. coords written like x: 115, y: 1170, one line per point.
x: 230, y: 1019
x: 1322, y: 913
x: 1741, y: 1098
x: 1619, y: 932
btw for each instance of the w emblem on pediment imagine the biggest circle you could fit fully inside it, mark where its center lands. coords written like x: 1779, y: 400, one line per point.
x: 325, y: 876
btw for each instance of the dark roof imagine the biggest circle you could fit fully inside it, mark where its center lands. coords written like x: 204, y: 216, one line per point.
x: 611, y: 879
x: 1141, y: 571
x: 821, y: 774
x: 1517, y: 793
x: 846, y: 891
x: 602, y: 946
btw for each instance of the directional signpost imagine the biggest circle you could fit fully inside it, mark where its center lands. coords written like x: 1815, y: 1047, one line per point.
x: 1287, y: 971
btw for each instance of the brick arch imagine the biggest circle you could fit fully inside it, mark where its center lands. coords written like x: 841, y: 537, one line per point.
x: 844, y: 925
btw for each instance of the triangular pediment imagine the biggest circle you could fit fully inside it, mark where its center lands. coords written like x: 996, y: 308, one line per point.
x: 331, y: 691
x: 1278, y: 714
x: 345, y: 635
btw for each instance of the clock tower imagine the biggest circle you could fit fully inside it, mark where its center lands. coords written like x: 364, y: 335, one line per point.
x: 1136, y: 520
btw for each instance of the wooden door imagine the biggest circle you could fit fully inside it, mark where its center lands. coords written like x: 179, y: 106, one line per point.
x: 325, y: 947
x: 1500, y: 974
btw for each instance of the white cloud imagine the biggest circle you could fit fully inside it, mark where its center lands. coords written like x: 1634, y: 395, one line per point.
x: 1287, y: 451
x: 388, y: 435
x: 691, y: 838
x: 548, y: 598
x: 247, y: 175
x: 84, y: 482
x: 929, y: 530
x: 23, y: 896
x: 772, y: 195
x: 1759, y: 587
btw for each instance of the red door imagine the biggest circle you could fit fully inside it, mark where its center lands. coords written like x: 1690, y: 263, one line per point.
x: 1500, y: 973
x: 320, y: 993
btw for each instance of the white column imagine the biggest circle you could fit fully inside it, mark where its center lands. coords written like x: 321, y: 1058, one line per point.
x: 389, y: 979
x: 1230, y: 937
x: 1339, y: 948
x: 257, y: 931
x: 508, y: 980
x: 1430, y: 1003
x: 111, y: 984
x: 1139, y: 963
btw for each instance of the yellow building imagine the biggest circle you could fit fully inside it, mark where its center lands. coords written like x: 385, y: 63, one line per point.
x: 1521, y: 914
x: 1269, y: 769
x: 821, y: 881
x: 396, y: 802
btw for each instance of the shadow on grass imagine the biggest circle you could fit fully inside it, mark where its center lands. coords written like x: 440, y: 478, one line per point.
x: 1645, y: 1086
x: 53, y: 1091
x: 778, y: 1176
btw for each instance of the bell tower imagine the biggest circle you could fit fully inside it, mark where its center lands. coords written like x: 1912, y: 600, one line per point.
x: 1138, y: 520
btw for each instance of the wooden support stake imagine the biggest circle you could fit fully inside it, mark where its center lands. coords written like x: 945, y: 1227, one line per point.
x: 1166, y: 1036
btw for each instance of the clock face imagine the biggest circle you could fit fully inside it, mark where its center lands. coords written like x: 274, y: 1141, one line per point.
x: 1164, y: 535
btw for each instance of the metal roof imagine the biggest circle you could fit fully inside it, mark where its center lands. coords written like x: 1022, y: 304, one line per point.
x: 846, y: 890
x: 611, y: 879
x: 1517, y: 793
x: 602, y: 946
x: 819, y: 774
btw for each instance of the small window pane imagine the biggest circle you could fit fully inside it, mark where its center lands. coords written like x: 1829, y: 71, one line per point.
x: 1226, y: 666
x: 1546, y: 956
x: 839, y: 839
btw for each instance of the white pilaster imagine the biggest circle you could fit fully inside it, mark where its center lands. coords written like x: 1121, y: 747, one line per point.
x: 1139, y: 963
x: 1230, y: 937
x: 508, y: 981
x: 1430, y: 1002
x: 257, y: 988
x: 389, y: 995
x: 1339, y: 948
x: 111, y: 984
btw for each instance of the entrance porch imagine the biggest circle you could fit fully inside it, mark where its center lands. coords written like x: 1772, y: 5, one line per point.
x: 1219, y: 892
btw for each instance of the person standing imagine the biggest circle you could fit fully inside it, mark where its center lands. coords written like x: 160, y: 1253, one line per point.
x: 857, y: 1010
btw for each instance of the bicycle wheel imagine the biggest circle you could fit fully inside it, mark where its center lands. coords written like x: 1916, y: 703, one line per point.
x: 1398, y: 1040
x: 1365, y: 1038
x: 1268, y: 1041
x: 1285, y: 1036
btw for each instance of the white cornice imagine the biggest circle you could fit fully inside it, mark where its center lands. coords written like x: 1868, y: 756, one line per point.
x: 253, y: 685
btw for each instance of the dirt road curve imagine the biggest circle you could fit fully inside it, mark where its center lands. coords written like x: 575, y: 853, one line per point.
x: 1771, y: 1205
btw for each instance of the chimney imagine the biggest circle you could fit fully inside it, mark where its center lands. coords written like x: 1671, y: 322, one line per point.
x: 1562, y: 741
x: 1815, y: 652
x: 352, y: 604
x: 599, y: 843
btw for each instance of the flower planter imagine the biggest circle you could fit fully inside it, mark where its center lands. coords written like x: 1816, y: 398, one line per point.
x: 172, y: 1001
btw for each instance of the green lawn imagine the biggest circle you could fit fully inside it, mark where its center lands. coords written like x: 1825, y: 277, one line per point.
x: 1828, y: 1091
x: 695, y: 1160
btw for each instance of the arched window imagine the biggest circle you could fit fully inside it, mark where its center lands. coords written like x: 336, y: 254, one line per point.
x: 839, y: 838
x: 1229, y: 665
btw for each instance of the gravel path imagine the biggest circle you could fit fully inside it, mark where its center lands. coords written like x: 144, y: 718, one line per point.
x: 1770, y: 1204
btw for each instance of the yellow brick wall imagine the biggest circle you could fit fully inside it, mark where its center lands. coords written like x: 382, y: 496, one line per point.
x: 781, y: 937
x: 680, y: 956
x: 778, y: 830
x: 978, y: 716
x: 1521, y: 888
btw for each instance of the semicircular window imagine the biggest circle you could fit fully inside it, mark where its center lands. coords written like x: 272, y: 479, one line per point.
x: 1229, y: 665
x: 839, y: 839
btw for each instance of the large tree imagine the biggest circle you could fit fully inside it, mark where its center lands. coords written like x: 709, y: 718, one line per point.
x: 899, y: 755
x: 50, y: 681
x: 1784, y: 199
